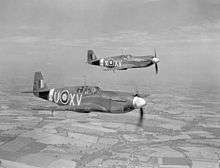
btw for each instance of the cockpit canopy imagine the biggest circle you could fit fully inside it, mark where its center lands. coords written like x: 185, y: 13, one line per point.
x: 88, y: 90
x: 128, y: 56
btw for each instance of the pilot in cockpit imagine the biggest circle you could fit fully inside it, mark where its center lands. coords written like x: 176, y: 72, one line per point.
x: 128, y: 56
x: 80, y: 90
x: 91, y: 90
x: 125, y: 57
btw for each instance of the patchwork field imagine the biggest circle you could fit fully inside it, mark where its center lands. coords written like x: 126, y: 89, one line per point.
x: 185, y: 134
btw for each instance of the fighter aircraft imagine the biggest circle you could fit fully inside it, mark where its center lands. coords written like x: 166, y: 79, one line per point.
x: 87, y: 99
x: 123, y: 62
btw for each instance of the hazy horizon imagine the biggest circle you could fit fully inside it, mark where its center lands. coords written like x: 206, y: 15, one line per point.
x: 54, y: 36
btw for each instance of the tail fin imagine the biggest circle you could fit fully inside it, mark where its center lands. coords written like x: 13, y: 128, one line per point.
x: 91, y: 56
x: 39, y: 84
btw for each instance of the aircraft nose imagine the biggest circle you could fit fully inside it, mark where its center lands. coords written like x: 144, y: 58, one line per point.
x: 155, y: 60
x: 138, y: 102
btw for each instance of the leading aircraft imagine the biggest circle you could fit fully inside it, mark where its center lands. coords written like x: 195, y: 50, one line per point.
x: 123, y: 62
x: 85, y: 99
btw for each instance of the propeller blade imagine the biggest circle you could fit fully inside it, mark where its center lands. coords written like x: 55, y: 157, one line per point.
x: 136, y: 92
x: 141, y: 117
x: 155, y: 53
x: 156, y: 68
x: 142, y: 95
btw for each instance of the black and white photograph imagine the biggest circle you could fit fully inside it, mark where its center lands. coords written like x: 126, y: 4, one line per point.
x: 109, y: 83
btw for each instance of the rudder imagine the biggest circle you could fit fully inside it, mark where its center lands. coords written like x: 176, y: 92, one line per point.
x: 39, y: 84
x: 91, y: 56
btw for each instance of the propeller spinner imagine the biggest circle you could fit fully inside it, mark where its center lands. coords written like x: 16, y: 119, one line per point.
x: 155, y: 61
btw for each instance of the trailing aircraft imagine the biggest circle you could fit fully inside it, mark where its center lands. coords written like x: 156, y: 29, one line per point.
x: 123, y: 62
x: 85, y: 99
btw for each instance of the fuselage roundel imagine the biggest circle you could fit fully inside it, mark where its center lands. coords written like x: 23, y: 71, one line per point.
x: 65, y: 97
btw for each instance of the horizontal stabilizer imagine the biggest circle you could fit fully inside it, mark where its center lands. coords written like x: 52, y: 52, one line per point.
x: 39, y: 91
x: 27, y: 91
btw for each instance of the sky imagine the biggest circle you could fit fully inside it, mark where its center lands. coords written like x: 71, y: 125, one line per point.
x: 53, y: 36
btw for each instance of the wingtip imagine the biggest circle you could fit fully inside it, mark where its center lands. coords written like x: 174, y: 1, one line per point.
x: 26, y: 92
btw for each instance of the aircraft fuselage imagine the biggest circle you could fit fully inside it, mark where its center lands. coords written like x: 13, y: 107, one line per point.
x: 89, y: 98
x: 124, y: 62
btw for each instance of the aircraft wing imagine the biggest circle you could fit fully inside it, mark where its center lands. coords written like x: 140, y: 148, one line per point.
x: 125, y: 66
x: 129, y: 65
x: 51, y: 108
x: 82, y: 109
x: 63, y: 108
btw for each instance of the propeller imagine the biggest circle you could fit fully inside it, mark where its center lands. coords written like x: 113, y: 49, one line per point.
x: 140, y: 107
x: 140, y: 123
x: 156, y: 60
x: 156, y: 68
x: 136, y: 93
x: 141, y: 95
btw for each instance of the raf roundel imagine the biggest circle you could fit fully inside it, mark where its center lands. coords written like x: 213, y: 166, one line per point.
x: 111, y: 63
x: 64, y: 96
